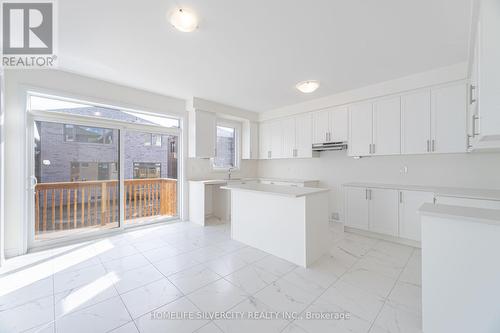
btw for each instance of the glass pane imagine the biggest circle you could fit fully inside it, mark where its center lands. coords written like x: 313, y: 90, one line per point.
x: 39, y: 103
x: 77, y: 172
x: 225, y: 157
x: 150, y: 172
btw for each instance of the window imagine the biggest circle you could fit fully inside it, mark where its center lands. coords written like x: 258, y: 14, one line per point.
x: 152, y: 140
x: 143, y: 170
x: 91, y: 171
x: 226, y: 155
x: 85, y: 134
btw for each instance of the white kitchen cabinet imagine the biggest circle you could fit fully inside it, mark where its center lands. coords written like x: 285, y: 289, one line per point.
x: 303, y: 136
x: 288, y: 130
x: 202, y: 134
x: 360, y: 129
x: 387, y: 126
x: 264, y: 141
x: 415, y: 120
x: 276, y: 134
x: 409, y: 217
x: 484, y: 121
x: 330, y: 125
x: 250, y: 140
x: 383, y: 211
x: 321, y: 126
x: 449, y: 118
x: 339, y: 124
x: 356, y: 207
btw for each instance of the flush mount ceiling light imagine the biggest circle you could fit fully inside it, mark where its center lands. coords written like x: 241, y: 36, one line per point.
x: 308, y: 86
x: 184, y: 20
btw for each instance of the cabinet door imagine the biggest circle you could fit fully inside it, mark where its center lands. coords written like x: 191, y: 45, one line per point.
x: 449, y: 119
x: 303, y: 135
x: 288, y: 130
x: 339, y: 124
x: 416, y: 122
x: 276, y: 133
x: 387, y: 127
x: 320, y: 126
x: 264, y: 141
x: 356, y: 203
x: 360, y: 129
x: 383, y: 211
x: 489, y: 71
x: 250, y: 140
x: 409, y: 217
x: 202, y: 133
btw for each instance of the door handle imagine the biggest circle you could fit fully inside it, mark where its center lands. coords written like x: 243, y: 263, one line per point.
x: 34, y: 183
x: 474, y: 119
x: 472, y: 100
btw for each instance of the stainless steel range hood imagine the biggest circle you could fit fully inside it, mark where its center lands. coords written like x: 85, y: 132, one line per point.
x: 329, y: 146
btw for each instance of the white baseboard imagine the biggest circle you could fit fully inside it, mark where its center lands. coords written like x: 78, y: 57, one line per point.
x: 388, y: 238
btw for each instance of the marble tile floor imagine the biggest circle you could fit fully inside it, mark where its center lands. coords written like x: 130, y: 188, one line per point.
x: 137, y: 281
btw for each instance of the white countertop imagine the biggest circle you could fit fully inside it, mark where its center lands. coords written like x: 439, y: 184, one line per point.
x: 471, y: 193
x: 224, y: 181
x: 289, y: 191
x: 478, y: 215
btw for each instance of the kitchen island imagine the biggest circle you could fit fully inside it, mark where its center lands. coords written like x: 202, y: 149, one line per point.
x: 288, y: 222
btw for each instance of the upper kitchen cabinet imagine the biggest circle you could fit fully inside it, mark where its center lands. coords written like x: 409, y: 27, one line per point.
x: 330, y: 125
x: 250, y: 140
x: 375, y: 128
x: 387, y: 126
x: 264, y: 141
x: 485, y: 81
x: 449, y: 119
x: 416, y: 120
x: 296, y: 137
x: 202, y: 131
x: 435, y: 120
x: 276, y: 138
x: 303, y: 136
x: 360, y: 129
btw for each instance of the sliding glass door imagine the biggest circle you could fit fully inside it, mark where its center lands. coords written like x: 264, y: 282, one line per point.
x: 77, y: 179
x: 96, y: 168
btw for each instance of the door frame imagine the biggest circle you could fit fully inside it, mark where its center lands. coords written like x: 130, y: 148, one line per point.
x: 122, y: 127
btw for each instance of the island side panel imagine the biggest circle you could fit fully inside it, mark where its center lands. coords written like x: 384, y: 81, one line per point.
x: 197, y: 202
x: 316, y: 227
x: 271, y: 223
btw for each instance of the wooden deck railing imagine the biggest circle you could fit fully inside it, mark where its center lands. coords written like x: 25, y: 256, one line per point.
x: 72, y: 205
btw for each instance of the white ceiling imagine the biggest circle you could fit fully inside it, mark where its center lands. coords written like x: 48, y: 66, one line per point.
x: 251, y: 53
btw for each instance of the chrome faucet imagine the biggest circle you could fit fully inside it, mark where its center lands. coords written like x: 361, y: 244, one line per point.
x: 229, y: 173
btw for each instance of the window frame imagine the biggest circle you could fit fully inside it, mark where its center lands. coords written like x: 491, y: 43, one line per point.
x: 237, y: 144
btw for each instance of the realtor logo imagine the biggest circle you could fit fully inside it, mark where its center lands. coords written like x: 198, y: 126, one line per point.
x: 28, y: 34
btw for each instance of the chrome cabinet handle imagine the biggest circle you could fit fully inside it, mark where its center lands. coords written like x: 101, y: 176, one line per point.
x: 469, y: 144
x: 373, y: 149
x: 433, y: 145
x: 366, y: 194
x: 474, y: 119
x: 370, y: 148
x: 428, y: 146
x: 369, y: 194
x: 400, y: 197
x: 472, y: 100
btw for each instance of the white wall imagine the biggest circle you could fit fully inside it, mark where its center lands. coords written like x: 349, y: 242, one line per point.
x: 334, y: 168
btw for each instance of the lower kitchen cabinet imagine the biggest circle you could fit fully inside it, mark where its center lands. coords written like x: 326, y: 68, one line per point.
x: 356, y: 203
x: 385, y: 211
x: 383, y: 208
x: 409, y: 217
